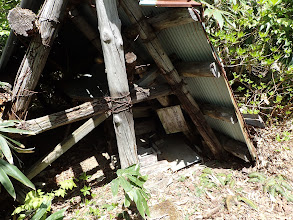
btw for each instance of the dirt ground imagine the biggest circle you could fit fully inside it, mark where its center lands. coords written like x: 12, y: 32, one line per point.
x: 206, y: 190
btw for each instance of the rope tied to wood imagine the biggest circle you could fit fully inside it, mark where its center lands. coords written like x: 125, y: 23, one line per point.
x: 119, y: 104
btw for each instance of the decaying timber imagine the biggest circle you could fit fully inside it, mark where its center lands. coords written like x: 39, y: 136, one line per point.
x: 85, y: 110
x: 36, y: 56
x: 22, y: 21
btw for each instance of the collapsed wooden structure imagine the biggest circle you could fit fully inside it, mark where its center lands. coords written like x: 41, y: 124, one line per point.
x: 150, y: 37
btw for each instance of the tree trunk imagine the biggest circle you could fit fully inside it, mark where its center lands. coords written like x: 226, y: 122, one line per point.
x: 112, y: 45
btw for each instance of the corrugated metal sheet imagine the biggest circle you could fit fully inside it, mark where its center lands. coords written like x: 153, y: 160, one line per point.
x: 189, y: 42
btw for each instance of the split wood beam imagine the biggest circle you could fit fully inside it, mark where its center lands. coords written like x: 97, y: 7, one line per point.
x: 50, y: 17
x: 171, y: 75
x: 237, y: 148
x: 66, y: 144
x: 87, y: 110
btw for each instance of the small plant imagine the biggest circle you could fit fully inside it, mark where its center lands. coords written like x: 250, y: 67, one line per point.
x: 285, y: 136
x: 132, y: 183
x: 86, y: 190
x: 275, y: 185
x: 37, y: 203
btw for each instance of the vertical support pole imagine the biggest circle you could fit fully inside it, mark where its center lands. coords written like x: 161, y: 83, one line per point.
x: 112, y: 44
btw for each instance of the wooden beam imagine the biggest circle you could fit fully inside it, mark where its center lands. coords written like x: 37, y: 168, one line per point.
x: 234, y: 147
x: 65, y: 145
x: 168, y: 70
x: 36, y: 56
x: 85, y: 110
x: 198, y: 69
x: 168, y: 19
x: 218, y: 112
x: 86, y: 29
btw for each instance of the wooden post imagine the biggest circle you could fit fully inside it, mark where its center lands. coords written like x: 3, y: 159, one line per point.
x: 112, y: 44
x: 36, y: 56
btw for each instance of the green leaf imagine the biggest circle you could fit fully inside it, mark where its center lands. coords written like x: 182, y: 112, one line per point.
x: 219, y: 18
x: 41, y: 211
x: 16, y: 131
x: 5, y: 149
x: 5, y: 181
x: 115, y: 186
x: 125, y: 184
x: 135, y: 180
x: 127, y: 200
x: 14, y: 141
x: 9, y: 123
x: 57, y: 215
x: 14, y: 172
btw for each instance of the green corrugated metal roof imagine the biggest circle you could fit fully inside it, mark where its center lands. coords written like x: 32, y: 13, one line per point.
x: 190, y: 43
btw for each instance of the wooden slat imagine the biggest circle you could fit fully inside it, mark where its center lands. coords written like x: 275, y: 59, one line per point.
x: 163, y: 62
x: 169, y: 19
x: 65, y: 145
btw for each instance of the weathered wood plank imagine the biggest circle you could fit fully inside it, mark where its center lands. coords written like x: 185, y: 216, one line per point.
x: 163, y: 62
x: 218, y: 112
x: 168, y: 19
x: 234, y: 147
x: 36, y: 56
x: 198, y: 69
x: 172, y: 119
x: 65, y: 145
x: 85, y: 110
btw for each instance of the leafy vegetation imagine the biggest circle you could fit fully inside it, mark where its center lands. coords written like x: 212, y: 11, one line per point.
x: 37, y: 203
x: 7, y: 168
x: 274, y: 185
x: 132, y: 183
x: 254, y: 42
x: 5, y: 6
